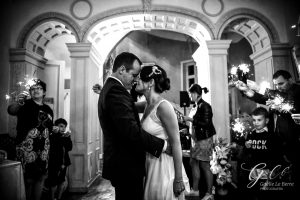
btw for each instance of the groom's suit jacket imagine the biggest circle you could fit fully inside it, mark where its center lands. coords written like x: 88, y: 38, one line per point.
x: 125, y: 143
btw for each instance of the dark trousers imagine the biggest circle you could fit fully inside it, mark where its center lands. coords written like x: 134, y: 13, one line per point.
x: 129, y: 188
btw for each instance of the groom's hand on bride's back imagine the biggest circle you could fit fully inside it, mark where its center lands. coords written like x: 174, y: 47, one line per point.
x: 168, y: 149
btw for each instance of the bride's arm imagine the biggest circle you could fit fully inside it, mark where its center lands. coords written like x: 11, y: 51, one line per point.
x: 140, y: 106
x: 168, y: 118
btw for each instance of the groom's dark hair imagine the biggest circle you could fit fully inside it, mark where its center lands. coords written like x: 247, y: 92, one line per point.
x: 125, y: 59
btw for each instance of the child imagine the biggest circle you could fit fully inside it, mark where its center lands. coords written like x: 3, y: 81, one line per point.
x: 259, y: 152
x: 59, y: 159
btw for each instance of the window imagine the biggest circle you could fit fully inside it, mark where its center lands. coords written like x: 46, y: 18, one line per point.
x: 189, y: 74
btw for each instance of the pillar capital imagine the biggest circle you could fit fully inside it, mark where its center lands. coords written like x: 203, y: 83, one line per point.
x: 218, y: 47
x: 79, y: 50
x: 23, y: 55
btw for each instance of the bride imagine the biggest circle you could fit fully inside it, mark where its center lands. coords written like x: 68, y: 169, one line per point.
x: 165, y: 176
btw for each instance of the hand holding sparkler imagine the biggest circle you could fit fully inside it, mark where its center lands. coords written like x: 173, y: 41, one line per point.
x: 240, y: 85
x: 21, y: 93
x: 22, y: 97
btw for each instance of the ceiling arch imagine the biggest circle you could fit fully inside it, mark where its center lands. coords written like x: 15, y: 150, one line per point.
x: 253, y: 26
x: 256, y: 35
x: 42, y: 35
x: 155, y: 10
x: 109, y: 31
x: 36, y: 35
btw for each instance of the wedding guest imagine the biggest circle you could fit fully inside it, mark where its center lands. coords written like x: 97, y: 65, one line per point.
x: 34, y: 123
x: 203, y: 136
x: 59, y: 159
x: 261, y: 155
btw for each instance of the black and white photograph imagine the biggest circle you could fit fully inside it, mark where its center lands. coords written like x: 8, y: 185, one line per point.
x: 149, y: 99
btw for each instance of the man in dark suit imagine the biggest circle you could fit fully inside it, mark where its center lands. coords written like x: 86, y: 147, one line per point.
x: 125, y: 143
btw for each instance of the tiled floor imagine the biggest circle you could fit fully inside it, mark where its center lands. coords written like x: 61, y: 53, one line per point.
x: 100, y: 190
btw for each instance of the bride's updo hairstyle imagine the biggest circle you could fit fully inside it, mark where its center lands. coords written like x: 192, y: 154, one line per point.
x: 158, y: 74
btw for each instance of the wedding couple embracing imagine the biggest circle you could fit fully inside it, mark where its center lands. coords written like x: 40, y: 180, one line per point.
x: 138, y: 159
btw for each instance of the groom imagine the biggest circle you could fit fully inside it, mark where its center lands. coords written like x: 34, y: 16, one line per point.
x: 125, y: 143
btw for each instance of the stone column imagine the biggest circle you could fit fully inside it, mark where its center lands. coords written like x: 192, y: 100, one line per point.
x: 84, y: 123
x: 23, y: 63
x: 217, y: 50
x: 270, y: 59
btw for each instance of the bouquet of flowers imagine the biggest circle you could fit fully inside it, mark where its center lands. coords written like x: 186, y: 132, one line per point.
x: 219, y: 163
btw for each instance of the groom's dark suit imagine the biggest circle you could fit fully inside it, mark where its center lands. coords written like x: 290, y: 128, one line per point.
x: 125, y: 143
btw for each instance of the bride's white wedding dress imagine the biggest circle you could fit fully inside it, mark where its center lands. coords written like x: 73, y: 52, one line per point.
x: 160, y: 171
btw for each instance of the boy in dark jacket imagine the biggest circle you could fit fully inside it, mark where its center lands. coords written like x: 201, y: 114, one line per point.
x: 59, y: 158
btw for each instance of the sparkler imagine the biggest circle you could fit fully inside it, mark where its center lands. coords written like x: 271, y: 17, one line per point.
x: 280, y: 104
x: 241, y: 126
x: 264, y: 85
x: 234, y: 70
x: 26, y: 85
x: 7, y: 97
x: 238, y: 127
x: 238, y: 73
x: 287, y: 107
x: 244, y: 68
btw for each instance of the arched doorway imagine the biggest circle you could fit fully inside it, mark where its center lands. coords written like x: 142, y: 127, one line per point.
x: 40, y: 53
x: 100, y: 38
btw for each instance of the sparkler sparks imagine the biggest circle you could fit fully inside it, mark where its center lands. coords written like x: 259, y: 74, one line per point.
x: 287, y: 107
x: 280, y: 104
x: 7, y: 97
x: 237, y: 73
x: 241, y: 126
x: 22, y: 87
x: 234, y: 70
x: 238, y: 126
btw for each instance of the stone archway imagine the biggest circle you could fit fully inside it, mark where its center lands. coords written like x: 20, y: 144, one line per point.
x: 261, y: 20
x: 108, y: 32
x: 89, y: 56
